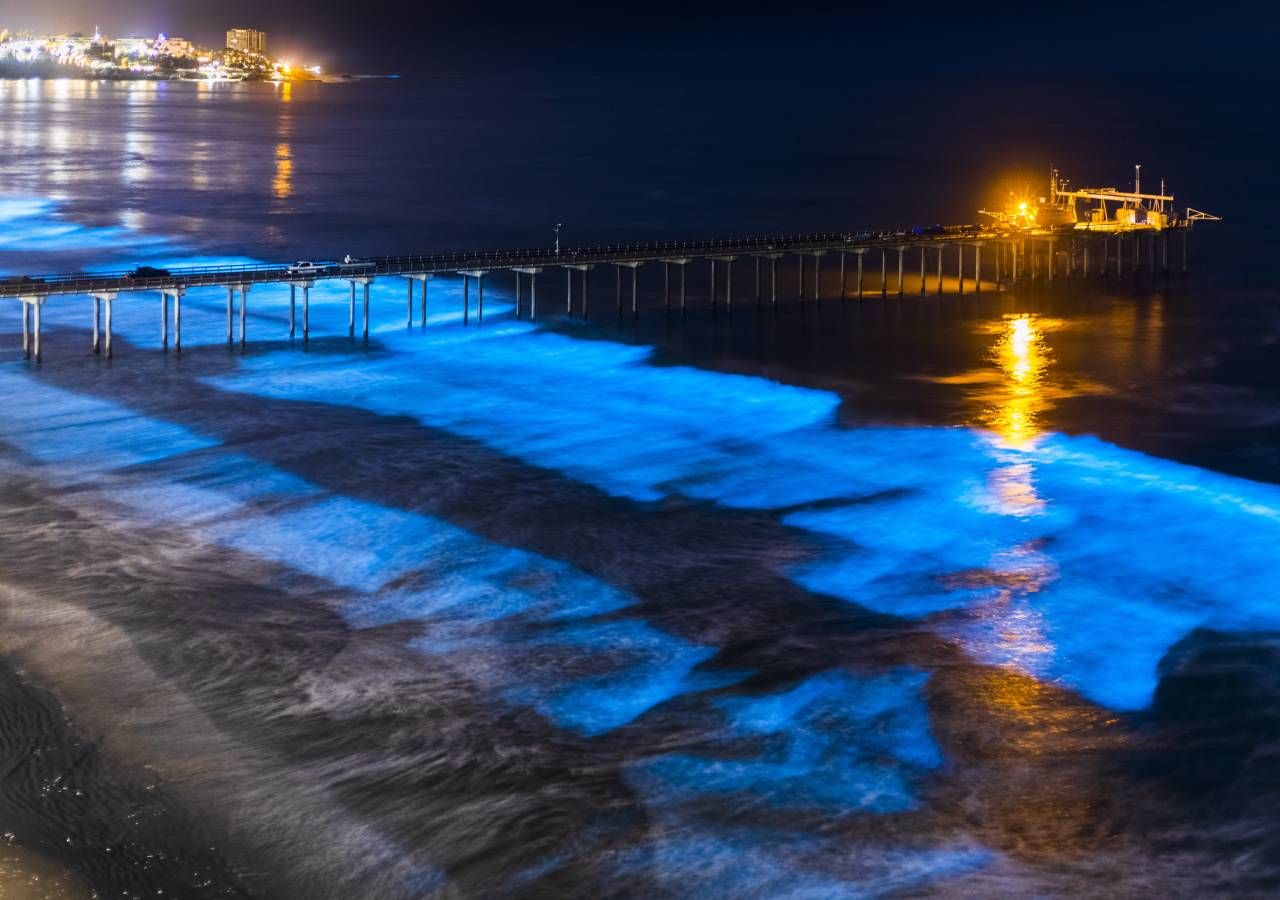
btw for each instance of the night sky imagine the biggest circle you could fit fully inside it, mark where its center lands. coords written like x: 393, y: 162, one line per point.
x: 745, y: 43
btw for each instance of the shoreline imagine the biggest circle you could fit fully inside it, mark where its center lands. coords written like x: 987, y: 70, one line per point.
x: 7, y: 75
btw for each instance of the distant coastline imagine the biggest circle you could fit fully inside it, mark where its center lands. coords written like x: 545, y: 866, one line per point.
x: 10, y: 71
x: 53, y: 71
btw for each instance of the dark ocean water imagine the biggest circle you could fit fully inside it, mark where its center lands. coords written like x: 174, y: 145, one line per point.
x: 935, y: 596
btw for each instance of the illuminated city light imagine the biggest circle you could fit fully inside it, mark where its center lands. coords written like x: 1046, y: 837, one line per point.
x: 163, y: 57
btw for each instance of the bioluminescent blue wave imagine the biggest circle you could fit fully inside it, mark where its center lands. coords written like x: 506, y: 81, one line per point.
x: 399, y: 565
x: 641, y: 667
x: 81, y: 433
x: 32, y: 225
x: 834, y: 742
x: 1100, y: 576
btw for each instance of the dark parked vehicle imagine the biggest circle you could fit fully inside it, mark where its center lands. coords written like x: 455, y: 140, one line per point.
x: 148, y: 272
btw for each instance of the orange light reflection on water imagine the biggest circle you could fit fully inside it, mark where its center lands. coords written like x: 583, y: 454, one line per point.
x: 282, y: 183
x: 1023, y: 356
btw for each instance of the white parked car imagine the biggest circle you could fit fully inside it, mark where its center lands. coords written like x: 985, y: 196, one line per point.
x: 304, y: 267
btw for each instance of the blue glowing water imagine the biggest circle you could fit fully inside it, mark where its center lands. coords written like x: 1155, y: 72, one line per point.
x: 608, y: 614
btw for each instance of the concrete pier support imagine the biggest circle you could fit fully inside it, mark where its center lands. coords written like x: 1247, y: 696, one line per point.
x: 939, y: 286
x: 31, y: 330
x: 817, y: 275
x: 884, y: 274
x: 714, y: 307
x: 533, y: 273
x: 667, y: 264
x: 844, y: 283
x: 363, y: 281
x: 902, y: 255
x: 164, y: 321
x: 176, y: 294
x: 231, y: 293
x: 758, y: 298
x: 861, y: 252
x: 244, y: 303
x: 633, y: 266
x: 1053, y: 253
x: 293, y: 307
x: 923, y: 284
x: 478, y: 275
x: 728, y: 282
x: 977, y: 268
x: 1084, y: 262
x: 960, y: 268
x: 424, y: 278
x: 773, y: 277
x: 569, y: 270
x: 1013, y: 262
x: 306, y: 312
x: 1119, y: 255
x: 800, y: 289
x: 99, y: 300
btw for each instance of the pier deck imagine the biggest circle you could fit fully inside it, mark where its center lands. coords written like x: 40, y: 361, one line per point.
x: 1017, y: 255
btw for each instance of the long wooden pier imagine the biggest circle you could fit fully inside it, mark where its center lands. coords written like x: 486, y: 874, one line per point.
x: 1013, y: 255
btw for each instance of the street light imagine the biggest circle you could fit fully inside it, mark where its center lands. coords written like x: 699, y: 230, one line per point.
x: 557, y: 229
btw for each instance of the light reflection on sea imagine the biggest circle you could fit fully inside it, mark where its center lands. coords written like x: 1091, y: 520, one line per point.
x: 548, y: 610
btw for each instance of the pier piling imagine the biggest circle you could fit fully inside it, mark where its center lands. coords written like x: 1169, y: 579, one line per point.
x: 366, y: 311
